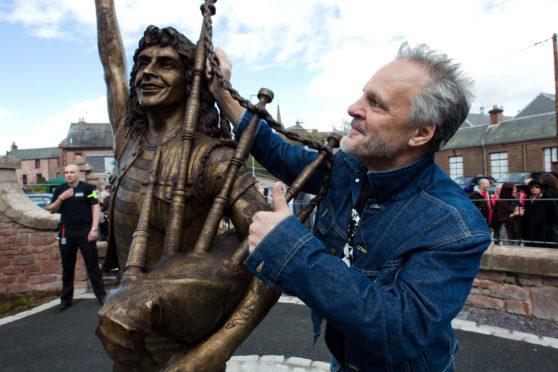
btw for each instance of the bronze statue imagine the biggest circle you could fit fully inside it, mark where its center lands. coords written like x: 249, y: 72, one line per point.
x: 185, y: 301
x: 146, y: 119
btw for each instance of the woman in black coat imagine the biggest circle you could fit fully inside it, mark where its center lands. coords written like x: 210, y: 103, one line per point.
x: 540, y: 216
x: 506, y: 215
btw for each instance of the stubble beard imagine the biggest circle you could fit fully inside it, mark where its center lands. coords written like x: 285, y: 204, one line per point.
x: 375, y: 149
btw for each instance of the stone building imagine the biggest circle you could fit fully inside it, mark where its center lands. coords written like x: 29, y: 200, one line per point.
x: 494, y: 144
x: 36, y: 164
x: 93, y: 142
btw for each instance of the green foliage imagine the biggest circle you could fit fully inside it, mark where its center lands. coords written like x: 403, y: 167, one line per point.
x: 20, y: 301
x: 38, y: 189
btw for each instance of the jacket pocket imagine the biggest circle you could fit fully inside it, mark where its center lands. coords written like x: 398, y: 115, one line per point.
x: 325, y: 220
x: 385, y: 277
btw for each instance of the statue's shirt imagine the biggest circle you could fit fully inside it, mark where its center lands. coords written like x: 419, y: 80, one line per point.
x: 205, y: 175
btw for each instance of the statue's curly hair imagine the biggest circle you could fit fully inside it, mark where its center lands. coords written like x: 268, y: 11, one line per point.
x: 136, y: 120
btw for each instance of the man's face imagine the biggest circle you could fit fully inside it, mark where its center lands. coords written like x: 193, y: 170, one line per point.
x: 71, y: 174
x: 379, y: 130
x: 483, y: 185
x: 160, y: 77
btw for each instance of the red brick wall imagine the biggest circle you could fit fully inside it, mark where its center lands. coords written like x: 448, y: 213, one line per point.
x: 30, y: 259
x: 527, y: 295
x: 47, y: 167
x: 68, y: 155
x: 522, y: 157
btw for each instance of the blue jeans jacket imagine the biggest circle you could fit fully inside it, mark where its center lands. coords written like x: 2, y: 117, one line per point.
x: 417, y: 250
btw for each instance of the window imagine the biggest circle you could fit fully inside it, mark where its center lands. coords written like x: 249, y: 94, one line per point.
x: 38, y: 178
x: 456, y: 166
x: 24, y: 179
x: 498, y: 164
x: 37, y: 163
x: 549, y: 158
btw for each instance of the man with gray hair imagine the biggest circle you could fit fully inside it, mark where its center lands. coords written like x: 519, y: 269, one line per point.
x: 396, y: 243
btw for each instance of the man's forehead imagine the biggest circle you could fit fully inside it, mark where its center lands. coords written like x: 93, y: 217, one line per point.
x: 396, y: 74
x: 72, y: 168
x: 157, y: 50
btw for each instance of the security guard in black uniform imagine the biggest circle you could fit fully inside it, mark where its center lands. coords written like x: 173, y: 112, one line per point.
x: 79, y: 208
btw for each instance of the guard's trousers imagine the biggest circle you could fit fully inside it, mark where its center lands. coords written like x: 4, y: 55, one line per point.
x: 72, y: 237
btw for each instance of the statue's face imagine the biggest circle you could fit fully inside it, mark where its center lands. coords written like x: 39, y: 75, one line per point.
x: 160, y: 77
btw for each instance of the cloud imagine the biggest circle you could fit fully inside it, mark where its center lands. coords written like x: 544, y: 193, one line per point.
x: 340, y: 42
x: 52, y: 131
x: 4, y: 113
x: 52, y: 18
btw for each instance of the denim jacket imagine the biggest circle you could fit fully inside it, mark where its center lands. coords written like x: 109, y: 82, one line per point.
x: 417, y: 250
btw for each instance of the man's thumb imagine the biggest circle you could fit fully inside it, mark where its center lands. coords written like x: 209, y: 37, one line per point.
x: 279, y: 197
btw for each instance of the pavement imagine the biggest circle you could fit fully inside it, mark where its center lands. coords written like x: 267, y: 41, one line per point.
x: 41, y: 340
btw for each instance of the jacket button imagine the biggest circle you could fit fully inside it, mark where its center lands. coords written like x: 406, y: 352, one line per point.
x: 259, y: 268
x: 332, y: 251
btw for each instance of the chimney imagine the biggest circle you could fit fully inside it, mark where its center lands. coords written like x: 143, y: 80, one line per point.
x: 496, y: 114
x: 14, y: 146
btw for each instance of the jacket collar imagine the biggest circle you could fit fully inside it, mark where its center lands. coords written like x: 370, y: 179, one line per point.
x: 400, y: 183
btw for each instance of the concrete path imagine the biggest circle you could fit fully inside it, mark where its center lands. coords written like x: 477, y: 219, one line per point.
x: 41, y: 340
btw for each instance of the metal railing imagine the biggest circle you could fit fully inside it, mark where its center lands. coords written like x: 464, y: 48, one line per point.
x: 534, y: 222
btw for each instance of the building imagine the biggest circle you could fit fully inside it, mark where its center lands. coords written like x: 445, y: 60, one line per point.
x: 93, y: 142
x: 494, y: 144
x: 37, y: 165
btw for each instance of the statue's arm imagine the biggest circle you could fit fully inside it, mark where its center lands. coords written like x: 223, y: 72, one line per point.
x: 217, y: 349
x: 113, y: 58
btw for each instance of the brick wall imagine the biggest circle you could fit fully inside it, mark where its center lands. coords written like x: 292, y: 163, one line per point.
x: 528, y: 295
x: 518, y: 280
x: 522, y: 157
x: 30, y: 259
x: 28, y: 168
x: 67, y: 155
x: 29, y: 254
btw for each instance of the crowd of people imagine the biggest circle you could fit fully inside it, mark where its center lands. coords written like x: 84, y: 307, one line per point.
x: 528, y: 216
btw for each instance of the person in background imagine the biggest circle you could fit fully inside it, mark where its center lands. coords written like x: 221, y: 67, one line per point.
x: 105, y: 204
x: 549, y: 183
x: 481, y: 199
x: 104, y: 194
x: 523, y: 193
x: 507, y: 215
x: 493, y: 198
x: 540, y: 217
x: 79, y: 209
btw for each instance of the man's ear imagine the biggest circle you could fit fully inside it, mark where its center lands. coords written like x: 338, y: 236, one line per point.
x: 422, y: 135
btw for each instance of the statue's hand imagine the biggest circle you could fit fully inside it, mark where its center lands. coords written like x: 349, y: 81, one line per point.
x: 199, y: 358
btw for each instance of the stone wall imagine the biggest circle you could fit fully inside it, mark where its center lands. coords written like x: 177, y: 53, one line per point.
x: 29, y: 254
x: 518, y: 280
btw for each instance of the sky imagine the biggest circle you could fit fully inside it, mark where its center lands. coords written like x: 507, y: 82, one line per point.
x: 315, y: 55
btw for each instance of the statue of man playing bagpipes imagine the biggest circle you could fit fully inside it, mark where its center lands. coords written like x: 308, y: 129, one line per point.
x: 179, y: 310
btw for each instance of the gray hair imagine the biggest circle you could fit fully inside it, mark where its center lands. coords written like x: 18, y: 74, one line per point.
x: 446, y: 100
